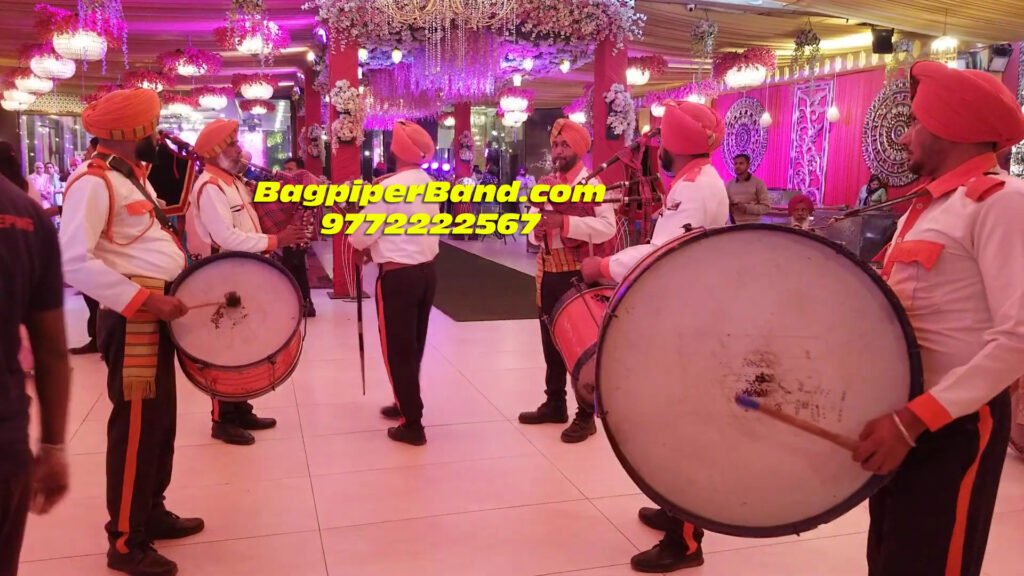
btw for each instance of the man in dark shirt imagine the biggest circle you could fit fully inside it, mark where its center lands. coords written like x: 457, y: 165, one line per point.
x: 32, y: 292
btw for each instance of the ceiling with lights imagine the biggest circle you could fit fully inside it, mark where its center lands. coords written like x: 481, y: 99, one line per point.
x: 155, y: 27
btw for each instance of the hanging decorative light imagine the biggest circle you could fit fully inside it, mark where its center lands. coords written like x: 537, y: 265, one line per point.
x: 190, y: 62
x: 637, y: 76
x: 944, y: 48
x: 448, y: 121
x: 697, y: 98
x: 52, y: 66
x: 256, y: 107
x: 766, y: 120
x: 517, y: 79
x: 743, y: 70
x: 833, y: 114
x: 565, y: 66
x: 178, y: 105
x: 84, y: 45
x: 249, y: 31
x: 579, y: 117
x: 14, y: 106
x: 212, y: 98
x: 254, y: 86
x: 528, y: 64
x: 148, y: 79
x: 396, y: 55
x: 657, y: 109
x: 26, y: 81
x: 514, y: 119
x: 15, y: 95
x: 364, y: 54
x: 514, y: 99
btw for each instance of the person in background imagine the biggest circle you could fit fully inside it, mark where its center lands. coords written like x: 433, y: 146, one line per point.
x: 32, y: 292
x: 748, y: 195
x: 526, y: 182
x: 801, y: 208
x: 275, y: 217
x: 43, y: 185
x: 55, y: 182
x: 872, y: 193
x: 293, y: 165
x: 379, y: 170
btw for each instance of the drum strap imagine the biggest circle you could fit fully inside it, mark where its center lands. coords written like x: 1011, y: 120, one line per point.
x: 141, y: 344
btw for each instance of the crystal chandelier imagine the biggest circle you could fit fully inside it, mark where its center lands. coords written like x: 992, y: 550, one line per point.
x: 443, y: 19
x: 514, y: 119
x: 637, y: 76
x: 83, y: 45
x: 52, y: 66
x: 257, y: 90
x: 749, y: 76
x: 513, y: 103
x: 213, y: 101
x: 15, y: 95
x: 33, y: 84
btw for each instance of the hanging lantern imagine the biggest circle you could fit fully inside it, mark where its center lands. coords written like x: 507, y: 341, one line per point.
x: 178, y: 105
x: 833, y: 114
x: 14, y: 106
x: 396, y: 55
x: 190, y: 62
x: 637, y: 76
x: 212, y: 98
x: 52, y: 66
x: 257, y: 90
x: 657, y: 109
x: 256, y: 107
x: 33, y: 84
x: 565, y: 66
x: 517, y: 79
x: 766, y: 120
x: 15, y: 95
x: 514, y: 99
x: 516, y: 117
x: 84, y: 45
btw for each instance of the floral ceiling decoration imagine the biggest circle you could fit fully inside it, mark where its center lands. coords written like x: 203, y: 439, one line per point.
x: 902, y: 56
x: 256, y: 107
x: 214, y: 97
x: 547, y: 36
x: 87, y: 34
x: 27, y: 81
x: 747, y: 69
x: 250, y: 31
x: 257, y: 86
x: 579, y: 109
x: 621, y: 112
x: 702, y: 38
x: 190, y: 62
x: 807, y: 49
x: 44, y: 61
x: 701, y: 91
x: 177, y: 104
x: 640, y: 69
x: 146, y: 79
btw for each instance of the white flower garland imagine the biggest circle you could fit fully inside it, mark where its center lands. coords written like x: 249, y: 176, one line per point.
x: 351, y: 107
x: 313, y: 137
x: 466, y: 146
x: 621, y: 114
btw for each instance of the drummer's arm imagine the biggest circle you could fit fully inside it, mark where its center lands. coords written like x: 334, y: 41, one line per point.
x: 595, y: 229
x: 999, y: 250
x: 215, y: 212
x: 86, y: 209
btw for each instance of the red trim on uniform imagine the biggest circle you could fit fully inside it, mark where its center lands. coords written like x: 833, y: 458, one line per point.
x: 955, y: 556
x: 982, y: 187
x: 923, y: 252
x: 880, y: 257
x: 131, y: 462
x: 384, y: 338
x: 961, y: 175
x: 135, y: 303
x: 564, y: 231
x: 606, y: 268
x: 272, y: 242
x: 216, y: 410
x: 691, y: 542
x: 138, y: 207
x: 690, y: 172
x: 930, y: 411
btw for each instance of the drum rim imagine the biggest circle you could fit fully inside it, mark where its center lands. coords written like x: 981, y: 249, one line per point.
x: 863, y: 493
x: 222, y: 256
x: 288, y: 374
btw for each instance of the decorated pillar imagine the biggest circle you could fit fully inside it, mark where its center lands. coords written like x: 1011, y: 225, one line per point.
x: 345, y: 163
x: 609, y: 68
x: 313, y: 100
x: 463, y: 124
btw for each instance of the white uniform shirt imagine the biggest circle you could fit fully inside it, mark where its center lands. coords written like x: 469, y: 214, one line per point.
x: 223, y: 215
x: 400, y: 248
x: 100, y: 266
x: 959, y: 273
x: 595, y: 230
x: 697, y: 197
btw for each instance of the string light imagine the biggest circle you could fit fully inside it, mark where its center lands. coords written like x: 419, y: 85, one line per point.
x: 565, y: 66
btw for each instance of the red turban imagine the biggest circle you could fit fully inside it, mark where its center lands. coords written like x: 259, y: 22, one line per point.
x: 691, y: 129
x: 411, y: 143
x: 576, y: 135
x: 798, y: 201
x: 123, y: 115
x: 965, y: 106
x: 215, y: 136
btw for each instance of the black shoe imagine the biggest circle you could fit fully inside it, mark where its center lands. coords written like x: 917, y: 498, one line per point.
x: 164, y: 525
x: 655, y: 518
x: 667, y: 556
x: 88, y: 348
x: 392, y: 412
x: 546, y: 413
x: 308, y: 310
x: 231, y: 434
x: 141, y: 562
x: 251, y: 421
x: 403, y: 433
x: 582, y: 427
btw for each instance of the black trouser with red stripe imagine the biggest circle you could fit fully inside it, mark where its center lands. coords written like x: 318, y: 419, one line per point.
x: 554, y: 285
x: 683, y: 534
x: 404, y: 299
x: 933, y: 516
x: 140, y: 437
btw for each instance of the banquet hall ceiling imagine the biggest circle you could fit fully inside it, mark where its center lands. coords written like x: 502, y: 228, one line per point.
x: 156, y: 26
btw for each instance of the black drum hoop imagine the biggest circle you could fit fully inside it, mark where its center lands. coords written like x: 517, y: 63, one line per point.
x: 233, y: 255
x: 242, y: 397
x: 851, y: 502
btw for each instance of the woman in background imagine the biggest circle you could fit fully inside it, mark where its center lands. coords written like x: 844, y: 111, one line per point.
x: 872, y: 193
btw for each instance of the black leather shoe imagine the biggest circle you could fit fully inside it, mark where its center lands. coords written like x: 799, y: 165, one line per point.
x: 88, y: 348
x: 391, y: 412
x: 403, y: 433
x: 655, y: 518
x: 251, y: 421
x: 231, y: 434
x: 546, y: 413
x: 582, y: 427
x: 141, y: 562
x: 666, y: 556
x: 166, y: 525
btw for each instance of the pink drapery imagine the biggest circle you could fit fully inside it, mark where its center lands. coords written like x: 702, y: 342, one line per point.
x: 777, y: 100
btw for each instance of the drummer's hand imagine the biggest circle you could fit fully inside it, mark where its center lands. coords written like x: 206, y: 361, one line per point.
x: 591, y: 269
x: 292, y: 235
x: 362, y: 257
x: 882, y: 447
x: 166, y: 308
x: 550, y: 221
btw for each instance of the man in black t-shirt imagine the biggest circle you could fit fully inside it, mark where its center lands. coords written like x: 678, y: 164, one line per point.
x: 32, y: 292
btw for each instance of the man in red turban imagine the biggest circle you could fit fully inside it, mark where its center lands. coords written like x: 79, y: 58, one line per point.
x: 221, y: 217
x: 118, y: 247
x: 697, y: 198
x: 957, y: 264
x: 567, y: 232
x: 406, y: 281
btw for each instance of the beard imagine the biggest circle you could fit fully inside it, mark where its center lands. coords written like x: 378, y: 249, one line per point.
x: 229, y: 165
x: 146, y: 151
x: 565, y: 163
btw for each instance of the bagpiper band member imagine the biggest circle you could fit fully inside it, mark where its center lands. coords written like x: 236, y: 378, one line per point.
x: 690, y: 132
x: 957, y: 265
x: 221, y: 217
x: 567, y: 233
x: 119, y: 248
x: 406, y: 282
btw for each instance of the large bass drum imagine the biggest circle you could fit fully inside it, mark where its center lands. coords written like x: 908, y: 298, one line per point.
x: 771, y: 312
x: 245, y: 351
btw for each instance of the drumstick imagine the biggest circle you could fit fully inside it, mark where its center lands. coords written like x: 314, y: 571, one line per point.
x: 231, y: 300
x: 837, y: 439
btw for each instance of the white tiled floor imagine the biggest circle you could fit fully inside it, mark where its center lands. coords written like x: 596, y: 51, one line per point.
x: 327, y: 493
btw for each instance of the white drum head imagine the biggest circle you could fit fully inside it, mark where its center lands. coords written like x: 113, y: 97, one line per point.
x: 766, y: 311
x: 268, y: 315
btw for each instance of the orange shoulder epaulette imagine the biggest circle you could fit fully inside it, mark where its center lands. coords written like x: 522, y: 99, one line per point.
x: 97, y: 167
x: 980, y: 188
